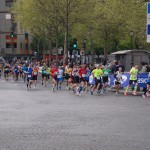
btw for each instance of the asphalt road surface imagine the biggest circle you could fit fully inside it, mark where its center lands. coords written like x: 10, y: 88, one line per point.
x: 45, y: 120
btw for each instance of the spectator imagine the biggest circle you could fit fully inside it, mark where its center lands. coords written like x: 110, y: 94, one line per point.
x: 144, y: 69
x: 121, y: 65
x: 148, y: 68
x: 115, y: 67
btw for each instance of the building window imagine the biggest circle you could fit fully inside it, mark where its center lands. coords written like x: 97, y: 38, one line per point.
x: 9, y: 45
x: 8, y: 3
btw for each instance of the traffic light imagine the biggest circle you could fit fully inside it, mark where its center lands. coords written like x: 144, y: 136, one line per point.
x: 12, y: 34
x: 74, y: 43
x: 35, y: 53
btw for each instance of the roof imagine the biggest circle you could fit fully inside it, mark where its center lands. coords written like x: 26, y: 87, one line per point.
x: 128, y: 51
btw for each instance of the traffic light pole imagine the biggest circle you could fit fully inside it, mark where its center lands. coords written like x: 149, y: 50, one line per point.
x: 12, y: 45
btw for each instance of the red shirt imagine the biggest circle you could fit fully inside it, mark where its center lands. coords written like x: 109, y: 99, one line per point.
x: 82, y: 72
x: 35, y: 71
x: 54, y: 72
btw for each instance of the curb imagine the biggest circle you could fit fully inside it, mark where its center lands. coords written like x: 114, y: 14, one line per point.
x: 139, y: 93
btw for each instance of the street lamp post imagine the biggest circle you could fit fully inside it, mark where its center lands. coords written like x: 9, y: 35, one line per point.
x: 84, y: 46
x: 132, y: 59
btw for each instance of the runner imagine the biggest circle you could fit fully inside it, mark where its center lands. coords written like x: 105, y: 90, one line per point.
x: 20, y: 70
x: 6, y: 71
x: 44, y: 74
x: 68, y: 71
x: 24, y: 72
x: 16, y: 72
x: 75, y: 78
x: 146, y: 91
x: 87, y: 78
x: 54, y: 73
x: 60, y: 77
x: 133, y: 80
x: 34, y: 76
x: 47, y: 74
x: 106, y: 74
x: 82, y: 75
x: 118, y: 77
x: 91, y: 82
x: 98, y: 72
x: 1, y: 69
x: 29, y: 77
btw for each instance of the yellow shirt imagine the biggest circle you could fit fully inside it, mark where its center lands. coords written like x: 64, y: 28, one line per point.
x: 97, y: 73
x: 133, y: 73
x: 67, y: 71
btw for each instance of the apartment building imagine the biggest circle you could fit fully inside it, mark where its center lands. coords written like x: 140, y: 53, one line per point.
x: 14, y: 41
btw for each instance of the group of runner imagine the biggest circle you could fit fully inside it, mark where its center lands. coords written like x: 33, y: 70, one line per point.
x: 78, y: 77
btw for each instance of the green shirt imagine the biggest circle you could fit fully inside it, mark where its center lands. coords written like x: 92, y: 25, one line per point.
x: 106, y: 72
x: 43, y: 70
x: 48, y: 71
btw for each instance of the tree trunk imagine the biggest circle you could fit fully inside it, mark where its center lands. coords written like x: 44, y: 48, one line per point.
x: 57, y: 47
x: 50, y: 52
x: 65, y: 59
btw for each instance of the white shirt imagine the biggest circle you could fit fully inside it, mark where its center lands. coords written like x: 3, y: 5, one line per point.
x: 60, y: 73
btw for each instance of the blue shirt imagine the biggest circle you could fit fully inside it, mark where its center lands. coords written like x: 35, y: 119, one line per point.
x: 30, y: 71
x: 16, y: 70
x: 24, y: 69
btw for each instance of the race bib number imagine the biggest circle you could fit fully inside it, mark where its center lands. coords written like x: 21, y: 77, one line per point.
x: 135, y: 77
x: 35, y: 73
x: 29, y: 76
x: 98, y: 78
x: 44, y: 71
x: 83, y: 75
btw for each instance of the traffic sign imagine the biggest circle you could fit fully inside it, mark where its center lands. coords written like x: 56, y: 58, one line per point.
x: 148, y: 33
x: 148, y: 23
x: 148, y: 8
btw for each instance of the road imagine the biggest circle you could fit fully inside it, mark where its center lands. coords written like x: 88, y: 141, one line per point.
x: 45, y: 120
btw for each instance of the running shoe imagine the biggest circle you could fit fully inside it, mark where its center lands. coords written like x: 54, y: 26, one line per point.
x: 147, y: 94
x: 143, y: 96
x: 134, y: 93
x: 116, y: 94
x: 98, y: 92
x: 78, y: 94
x: 126, y: 93
x: 91, y: 92
x: 104, y: 91
x: 52, y: 89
